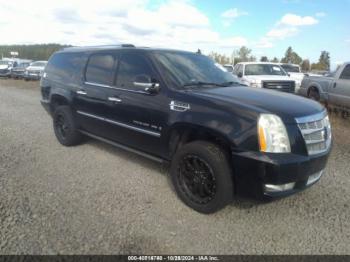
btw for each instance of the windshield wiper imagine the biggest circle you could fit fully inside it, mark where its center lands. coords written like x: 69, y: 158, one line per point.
x: 200, y: 83
x: 230, y: 83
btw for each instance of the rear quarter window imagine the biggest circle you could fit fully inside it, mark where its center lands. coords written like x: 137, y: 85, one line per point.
x: 67, y: 66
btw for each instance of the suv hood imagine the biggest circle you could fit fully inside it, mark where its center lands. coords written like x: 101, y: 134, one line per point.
x: 4, y: 66
x: 286, y: 106
x: 35, y: 68
x: 269, y: 77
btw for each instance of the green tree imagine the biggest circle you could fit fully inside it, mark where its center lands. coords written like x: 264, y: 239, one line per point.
x: 324, y: 60
x: 34, y: 52
x: 264, y: 59
x: 291, y: 57
x: 305, y: 65
x: 275, y: 60
x: 244, y: 54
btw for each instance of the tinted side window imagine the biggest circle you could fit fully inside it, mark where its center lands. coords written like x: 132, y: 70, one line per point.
x: 346, y: 73
x: 66, y: 65
x: 133, y: 68
x: 100, y: 69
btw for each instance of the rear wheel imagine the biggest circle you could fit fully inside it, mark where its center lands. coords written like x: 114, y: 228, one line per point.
x: 65, y: 127
x: 314, y: 94
x: 202, y: 177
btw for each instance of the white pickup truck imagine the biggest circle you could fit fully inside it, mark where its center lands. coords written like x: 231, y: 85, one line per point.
x: 333, y: 89
x: 264, y: 75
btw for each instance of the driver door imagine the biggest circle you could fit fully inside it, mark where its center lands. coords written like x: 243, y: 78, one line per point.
x: 137, y: 117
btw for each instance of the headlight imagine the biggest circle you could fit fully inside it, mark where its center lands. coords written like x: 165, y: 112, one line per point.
x: 273, y: 136
x: 255, y: 83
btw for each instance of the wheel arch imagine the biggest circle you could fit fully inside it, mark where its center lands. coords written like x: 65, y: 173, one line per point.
x: 58, y: 100
x: 183, y: 133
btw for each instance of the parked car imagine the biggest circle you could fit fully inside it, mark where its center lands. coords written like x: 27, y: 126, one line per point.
x: 295, y: 73
x: 17, y: 72
x: 35, y: 70
x: 333, y: 89
x: 6, y: 67
x: 264, y: 75
x: 220, y: 138
x: 229, y: 68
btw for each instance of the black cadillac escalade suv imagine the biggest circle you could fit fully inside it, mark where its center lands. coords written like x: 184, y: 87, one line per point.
x: 220, y: 138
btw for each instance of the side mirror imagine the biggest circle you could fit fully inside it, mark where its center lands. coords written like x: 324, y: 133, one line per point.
x: 240, y: 74
x: 151, y: 88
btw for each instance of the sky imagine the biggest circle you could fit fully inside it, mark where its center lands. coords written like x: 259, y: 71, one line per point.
x: 267, y: 27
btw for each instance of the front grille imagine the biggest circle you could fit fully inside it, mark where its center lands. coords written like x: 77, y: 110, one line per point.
x: 284, y: 86
x: 34, y: 72
x: 4, y: 71
x: 316, y: 131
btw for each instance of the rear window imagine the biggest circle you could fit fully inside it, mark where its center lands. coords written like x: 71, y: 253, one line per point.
x: 346, y: 73
x: 100, y: 69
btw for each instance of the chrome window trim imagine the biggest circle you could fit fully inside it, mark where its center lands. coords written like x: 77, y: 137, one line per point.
x: 96, y: 84
x: 116, y: 88
x: 312, y: 118
x: 141, y: 130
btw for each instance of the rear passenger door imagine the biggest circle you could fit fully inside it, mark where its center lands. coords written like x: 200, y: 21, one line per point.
x: 91, y: 98
x: 137, y: 117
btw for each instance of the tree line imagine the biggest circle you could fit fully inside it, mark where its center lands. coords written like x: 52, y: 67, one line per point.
x: 244, y: 54
x: 33, y: 52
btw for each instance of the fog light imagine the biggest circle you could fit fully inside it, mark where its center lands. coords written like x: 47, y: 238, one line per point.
x: 269, y: 188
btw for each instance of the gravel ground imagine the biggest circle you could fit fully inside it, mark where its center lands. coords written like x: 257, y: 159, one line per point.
x: 95, y: 199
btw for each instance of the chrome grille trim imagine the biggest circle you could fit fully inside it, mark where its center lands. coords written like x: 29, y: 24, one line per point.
x: 316, y: 132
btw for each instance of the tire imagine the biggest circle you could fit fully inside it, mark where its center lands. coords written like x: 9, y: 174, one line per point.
x: 314, y: 94
x: 65, y: 128
x: 217, y: 190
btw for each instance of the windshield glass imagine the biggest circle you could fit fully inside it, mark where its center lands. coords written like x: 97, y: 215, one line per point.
x: 186, y: 68
x: 23, y: 65
x: 291, y: 68
x: 38, y: 64
x: 229, y: 68
x: 264, y: 69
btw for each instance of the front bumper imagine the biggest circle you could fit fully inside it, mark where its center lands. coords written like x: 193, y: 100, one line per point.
x: 32, y: 76
x: 269, y: 176
x: 5, y: 73
x: 17, y: 74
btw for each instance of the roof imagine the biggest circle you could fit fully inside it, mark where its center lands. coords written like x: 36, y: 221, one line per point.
x: 116, y: 47
x: 260, y: 63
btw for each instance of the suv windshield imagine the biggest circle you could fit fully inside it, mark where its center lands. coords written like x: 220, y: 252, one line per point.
x: 264, y: 69
x: 4, y: 62
x: 194, y: 69
x: 291, y: 68
x: 38, y: 64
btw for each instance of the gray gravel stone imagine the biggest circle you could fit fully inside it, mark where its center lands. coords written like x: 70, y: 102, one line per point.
x: 95, y: 199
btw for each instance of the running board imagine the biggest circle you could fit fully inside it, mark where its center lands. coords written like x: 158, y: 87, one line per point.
x: 126, y: 148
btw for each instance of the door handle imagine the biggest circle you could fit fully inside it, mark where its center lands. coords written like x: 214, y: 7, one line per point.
x: 81, y: 92
x: 114, y: 99
x: 335, y: 85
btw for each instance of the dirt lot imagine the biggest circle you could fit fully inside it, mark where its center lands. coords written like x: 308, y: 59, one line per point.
x: 96, y: 199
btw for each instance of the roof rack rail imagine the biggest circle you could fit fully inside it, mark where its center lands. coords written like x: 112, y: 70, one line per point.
x: 97, y: 47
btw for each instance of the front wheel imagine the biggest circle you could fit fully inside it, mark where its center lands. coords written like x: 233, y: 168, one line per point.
x: 202, y: 177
